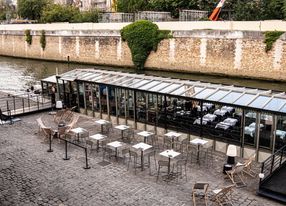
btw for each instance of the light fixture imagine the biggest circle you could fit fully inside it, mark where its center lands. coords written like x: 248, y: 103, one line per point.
x: 231, y: 153
x: 261, y: 175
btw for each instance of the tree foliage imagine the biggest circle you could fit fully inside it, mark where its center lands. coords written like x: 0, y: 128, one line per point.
x: 61, y: 13
x: 130, y: 6
x: 270, y: 38
x: 31, y: 9
x: 142, y: 37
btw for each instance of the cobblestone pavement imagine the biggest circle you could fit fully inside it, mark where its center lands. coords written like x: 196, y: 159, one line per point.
x: 29, y: 175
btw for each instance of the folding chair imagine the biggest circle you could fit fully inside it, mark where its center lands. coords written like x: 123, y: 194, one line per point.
x: 223, y: 195
x: 237, y: 171
x: 248, y: 164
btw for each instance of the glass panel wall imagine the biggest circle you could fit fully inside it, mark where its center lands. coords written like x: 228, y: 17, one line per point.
x: 103, y: 98
x: 88, y: 96
x: 280, y: 140
x: 266, y: 130
x: 112, y: 104
x: 80, y: 92
x: 121, y: 101
x: 249, y: 128
x: 130, y: 104
x: 141, y: 98
x: 151, y: 108
x: 95, y: 94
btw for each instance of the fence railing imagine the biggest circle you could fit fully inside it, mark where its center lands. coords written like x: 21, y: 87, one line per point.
x: 272, y: 163
x: 24, y: 103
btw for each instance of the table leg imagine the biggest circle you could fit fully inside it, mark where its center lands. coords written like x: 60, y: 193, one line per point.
x: 169, y: 166
x: 198, y: 154
x: 142, y: 161
x: 97, y: 145
x: 78, y: 137
x: 116, y: 153
x: 122, y: 134
x: 145, y: 139
x: 101, y: 127
x: 172, y: 142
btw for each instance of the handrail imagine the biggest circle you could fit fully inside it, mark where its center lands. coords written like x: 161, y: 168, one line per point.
x: 26, y: 102
x: 273, y: 163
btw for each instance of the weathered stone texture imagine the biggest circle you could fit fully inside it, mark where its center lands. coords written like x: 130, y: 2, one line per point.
x: 231, y: 53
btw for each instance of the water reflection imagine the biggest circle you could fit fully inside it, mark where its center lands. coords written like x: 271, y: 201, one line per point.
x: 19, y: 74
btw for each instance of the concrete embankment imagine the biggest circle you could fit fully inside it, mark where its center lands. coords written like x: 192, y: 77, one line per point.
x: 223, y: 48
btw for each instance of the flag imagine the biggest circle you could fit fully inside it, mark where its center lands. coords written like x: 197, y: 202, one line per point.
x: 216, y: 11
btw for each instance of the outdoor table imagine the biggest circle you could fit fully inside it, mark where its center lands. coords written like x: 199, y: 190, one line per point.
x: 170, y: 154
x: 102, y: 122
x: 209, y: 117
x: 230, y: 121
x: 198, y: 121
x: 249, y: 130
x: 223, y: 125
x: 145, y: 134
x: 115, y: 145
x: 173, y: 135
x: 208, y: 105
x: 78, y: 131
x: 142, y: 146
x: 220, y: 112
x: 97, y: 137
x: 198, y: 142
x: 204, y: 108
x: 228, y: 109
x: 281, y: 134
x: 122, y: 128
x: 253, y: 124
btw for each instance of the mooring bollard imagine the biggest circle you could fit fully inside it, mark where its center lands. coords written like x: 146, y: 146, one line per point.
x: 50, y: 149
x: 86, y: 160
x: 66, y: 149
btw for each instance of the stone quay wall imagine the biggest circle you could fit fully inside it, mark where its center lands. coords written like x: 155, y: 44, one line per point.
x: 194, y: 49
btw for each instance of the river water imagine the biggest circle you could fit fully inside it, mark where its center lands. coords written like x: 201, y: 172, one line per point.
x: 18, y: 74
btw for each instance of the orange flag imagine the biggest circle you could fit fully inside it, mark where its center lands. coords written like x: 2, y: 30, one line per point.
x: 216, y: 11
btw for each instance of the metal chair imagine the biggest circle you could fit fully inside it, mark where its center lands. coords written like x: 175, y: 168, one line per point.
x: 200, y: 190
x: 161, y: 164
x: 133, y: 156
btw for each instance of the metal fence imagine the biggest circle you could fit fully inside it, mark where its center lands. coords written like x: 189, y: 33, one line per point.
x: 24, y: 103
x: 192, y: 15
x: 116, y: 17
x: 153, y: 16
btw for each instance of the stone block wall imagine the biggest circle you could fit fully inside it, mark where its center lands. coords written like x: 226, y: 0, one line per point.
x: 233, y: 53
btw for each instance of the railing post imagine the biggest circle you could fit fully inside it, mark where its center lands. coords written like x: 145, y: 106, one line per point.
x: 29, y: 101
x: 66, y: 151
x: 281, y: 156
x: 7, y: 105
x: 50, y: 148
x: 38, y: 104
x: 272, y: 162
x: 86, y: 160
x: 262, y: 169
x: 14, y: 103
x: 23, y: 104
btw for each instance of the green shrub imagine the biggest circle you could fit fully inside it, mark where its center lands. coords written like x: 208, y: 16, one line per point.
x: 43, y: 39
x: 28, y: 36
x: 270, y: 38
x: 142, y: 37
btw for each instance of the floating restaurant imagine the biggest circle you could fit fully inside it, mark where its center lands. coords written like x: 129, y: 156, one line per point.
x: 252, y: 119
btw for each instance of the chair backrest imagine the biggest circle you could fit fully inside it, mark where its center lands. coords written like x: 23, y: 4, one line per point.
x: 238, y: 168
x: 224, y: 191
x: 40, y: 123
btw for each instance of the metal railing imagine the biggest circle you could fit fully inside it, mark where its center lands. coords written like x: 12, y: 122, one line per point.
x: 273, y: 163
x: 24, y: 103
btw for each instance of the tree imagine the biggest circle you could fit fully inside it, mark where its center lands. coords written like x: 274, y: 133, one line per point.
x: 130, y: 6
x: 60, y: 13
x: 31, y: 9
x: 273, y: 9
x: 245, y: 10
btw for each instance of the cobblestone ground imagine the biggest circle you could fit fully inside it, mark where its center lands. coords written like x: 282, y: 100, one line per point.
x: 29, y: 175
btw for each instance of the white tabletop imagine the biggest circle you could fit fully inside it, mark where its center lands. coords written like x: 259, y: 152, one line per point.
x: 115, y: 144
x: 172, y: 134
x: 199, y: 141
x: 78, y: 130
x: 170, y: 153
x: 143, y: 146
x: 145, y: 133
x: 102, y: 121
x: 122, y: 127
x: 97, y: 136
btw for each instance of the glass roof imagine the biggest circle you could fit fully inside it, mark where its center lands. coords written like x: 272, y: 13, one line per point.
x: 233, y: 95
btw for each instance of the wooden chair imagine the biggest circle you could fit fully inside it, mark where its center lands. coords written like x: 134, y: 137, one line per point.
x: 237, y: 171
x: 223, y: 196
x: 47, y: 131
x: 200, y: 190
x: 248, y: 164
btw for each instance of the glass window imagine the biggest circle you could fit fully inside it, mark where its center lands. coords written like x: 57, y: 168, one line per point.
x: 170, y: 88
x: 149, y: 85
x: 231, y: 97
x: 91, y: 76
x: 96, y: 78
x: 283, y: 109
x: 129, y: 83
x: 260, y: 101
x: 203, y: 94
x: 141, y: 106
x: 139, y: 83
x: 275, y: 104
x: 180, y: 90
x: 160, y: 86
x: 244, y: 99
x: 193, y: 91
x: 218, y: 95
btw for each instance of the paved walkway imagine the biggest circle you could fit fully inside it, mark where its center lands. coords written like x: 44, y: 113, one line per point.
x: 31, y: 176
